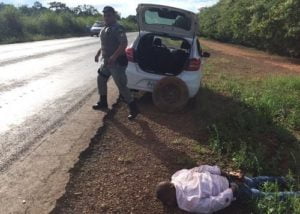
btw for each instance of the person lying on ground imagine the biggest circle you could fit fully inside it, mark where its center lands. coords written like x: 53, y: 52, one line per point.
x: 206, y: 189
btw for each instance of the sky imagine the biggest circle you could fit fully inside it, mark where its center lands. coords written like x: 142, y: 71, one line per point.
x: 125, y: 7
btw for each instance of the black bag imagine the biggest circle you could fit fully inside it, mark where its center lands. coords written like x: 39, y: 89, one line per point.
x: 122, y: 60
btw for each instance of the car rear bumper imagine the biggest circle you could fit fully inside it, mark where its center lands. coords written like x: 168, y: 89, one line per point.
x: 144, y: 81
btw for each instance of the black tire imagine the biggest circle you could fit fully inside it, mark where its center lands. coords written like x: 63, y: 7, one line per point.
x: 170, y: 94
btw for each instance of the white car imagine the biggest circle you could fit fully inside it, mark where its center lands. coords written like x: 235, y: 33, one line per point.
x: 165, y: 58
x: 96, y: 28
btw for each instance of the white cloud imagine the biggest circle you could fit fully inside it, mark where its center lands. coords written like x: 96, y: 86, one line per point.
x: 125, y: 7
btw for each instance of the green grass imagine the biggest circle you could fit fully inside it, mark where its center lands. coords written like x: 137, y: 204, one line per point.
x: 277, y: 97
x: 273, y: 205
x: 253, y: 121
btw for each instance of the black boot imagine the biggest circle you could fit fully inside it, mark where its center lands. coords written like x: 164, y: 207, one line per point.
x: 133, y: 110
x: 102, y: 104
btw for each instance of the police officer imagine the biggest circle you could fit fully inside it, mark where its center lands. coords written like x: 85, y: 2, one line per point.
x: 114, y: 62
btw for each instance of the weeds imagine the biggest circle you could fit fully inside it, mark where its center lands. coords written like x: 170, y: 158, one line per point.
x: 274, y: 204
x: 257, y: 121
x: 277, y: 98
x: 253, y: 121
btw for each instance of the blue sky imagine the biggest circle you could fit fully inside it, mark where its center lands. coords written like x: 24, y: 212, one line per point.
x: 125, y: 7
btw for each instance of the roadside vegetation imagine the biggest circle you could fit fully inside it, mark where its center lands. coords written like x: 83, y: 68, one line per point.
x: 271, y: 25
x: 253, y: 120
x: 18, y: 24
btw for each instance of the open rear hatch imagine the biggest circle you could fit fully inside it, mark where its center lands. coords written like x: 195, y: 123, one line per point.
x: 164, y: 19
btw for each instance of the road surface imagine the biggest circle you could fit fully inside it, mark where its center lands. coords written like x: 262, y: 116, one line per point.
x: 46, y: 92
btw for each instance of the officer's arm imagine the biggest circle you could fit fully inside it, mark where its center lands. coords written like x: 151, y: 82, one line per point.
x: 120, y: 50
x: 122, y: 39
x: 99, y: 52
x: 98, y: 55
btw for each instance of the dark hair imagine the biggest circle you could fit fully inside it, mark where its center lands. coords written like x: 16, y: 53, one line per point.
x: 166, y: 193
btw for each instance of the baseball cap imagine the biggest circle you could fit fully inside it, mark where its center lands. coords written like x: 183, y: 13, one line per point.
x: 108, y: 9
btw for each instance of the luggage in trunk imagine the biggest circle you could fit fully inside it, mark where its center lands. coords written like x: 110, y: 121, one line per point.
x: 154, y: 56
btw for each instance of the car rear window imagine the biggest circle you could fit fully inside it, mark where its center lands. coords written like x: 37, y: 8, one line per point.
x: 154, y: 16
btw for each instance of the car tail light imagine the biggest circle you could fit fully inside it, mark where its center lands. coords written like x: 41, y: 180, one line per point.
x: 130, y: 54
x: 194, y: 64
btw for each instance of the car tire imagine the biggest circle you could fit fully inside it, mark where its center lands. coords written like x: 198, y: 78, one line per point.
x: 170, y: 94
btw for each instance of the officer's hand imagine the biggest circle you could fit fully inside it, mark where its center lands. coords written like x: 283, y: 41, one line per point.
x: 97, y: 58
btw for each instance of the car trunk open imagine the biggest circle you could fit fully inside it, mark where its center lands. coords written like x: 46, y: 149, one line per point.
x: 162, y: 54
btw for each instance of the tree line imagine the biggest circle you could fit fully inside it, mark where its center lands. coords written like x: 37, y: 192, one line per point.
x: 39, y: 22
x: 272, y: 25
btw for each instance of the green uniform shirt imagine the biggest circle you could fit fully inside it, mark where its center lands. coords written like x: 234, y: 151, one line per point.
x: 111, y: 38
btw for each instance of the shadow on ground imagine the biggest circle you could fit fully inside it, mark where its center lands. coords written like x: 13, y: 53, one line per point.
x: 233, y: 129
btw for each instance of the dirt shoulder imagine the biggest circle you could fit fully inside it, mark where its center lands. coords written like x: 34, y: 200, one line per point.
x: 249, y: 53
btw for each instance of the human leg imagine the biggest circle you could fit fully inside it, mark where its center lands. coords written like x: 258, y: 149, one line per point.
x: 103, y: 76
x: 257, y: 182
x: 250, y: 188
x: 119, y: 76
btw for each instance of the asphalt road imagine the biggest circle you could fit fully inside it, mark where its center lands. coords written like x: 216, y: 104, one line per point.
x: 41, y: 85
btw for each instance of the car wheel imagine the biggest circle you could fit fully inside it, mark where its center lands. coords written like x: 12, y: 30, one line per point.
x: 170, y: 94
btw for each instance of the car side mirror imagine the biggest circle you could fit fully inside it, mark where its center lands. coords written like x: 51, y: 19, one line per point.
x: 205, y: 54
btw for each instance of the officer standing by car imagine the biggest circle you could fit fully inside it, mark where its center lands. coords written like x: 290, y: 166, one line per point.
x: 114, y: 62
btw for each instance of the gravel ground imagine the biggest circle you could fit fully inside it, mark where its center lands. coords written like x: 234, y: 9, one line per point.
x: 125, y: 161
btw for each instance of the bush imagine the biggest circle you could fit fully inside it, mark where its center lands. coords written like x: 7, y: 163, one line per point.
x: 10, y: 23
x: 26, y: 24
x: 129, y: 25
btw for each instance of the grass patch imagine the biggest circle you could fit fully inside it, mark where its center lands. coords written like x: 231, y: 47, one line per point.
x: 274, y: 205
x: 252, y: 119
x: 277, y: 97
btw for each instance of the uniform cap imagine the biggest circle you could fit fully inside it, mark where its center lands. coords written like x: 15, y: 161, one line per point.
x: 108, y: 9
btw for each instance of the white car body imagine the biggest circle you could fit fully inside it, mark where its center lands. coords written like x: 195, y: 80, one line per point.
x: 96, y: 28
x: 139, y: 79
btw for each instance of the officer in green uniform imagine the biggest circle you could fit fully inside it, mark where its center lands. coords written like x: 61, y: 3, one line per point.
x: 113, y: 62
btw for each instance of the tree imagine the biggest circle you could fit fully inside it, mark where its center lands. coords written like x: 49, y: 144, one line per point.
x: 58, y: 7
x: 271, y: 25
x: 85, y: 10
x: 37, y: 5
x: 24, y: 9
x: 131, y: 18
x: 2, y: 5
